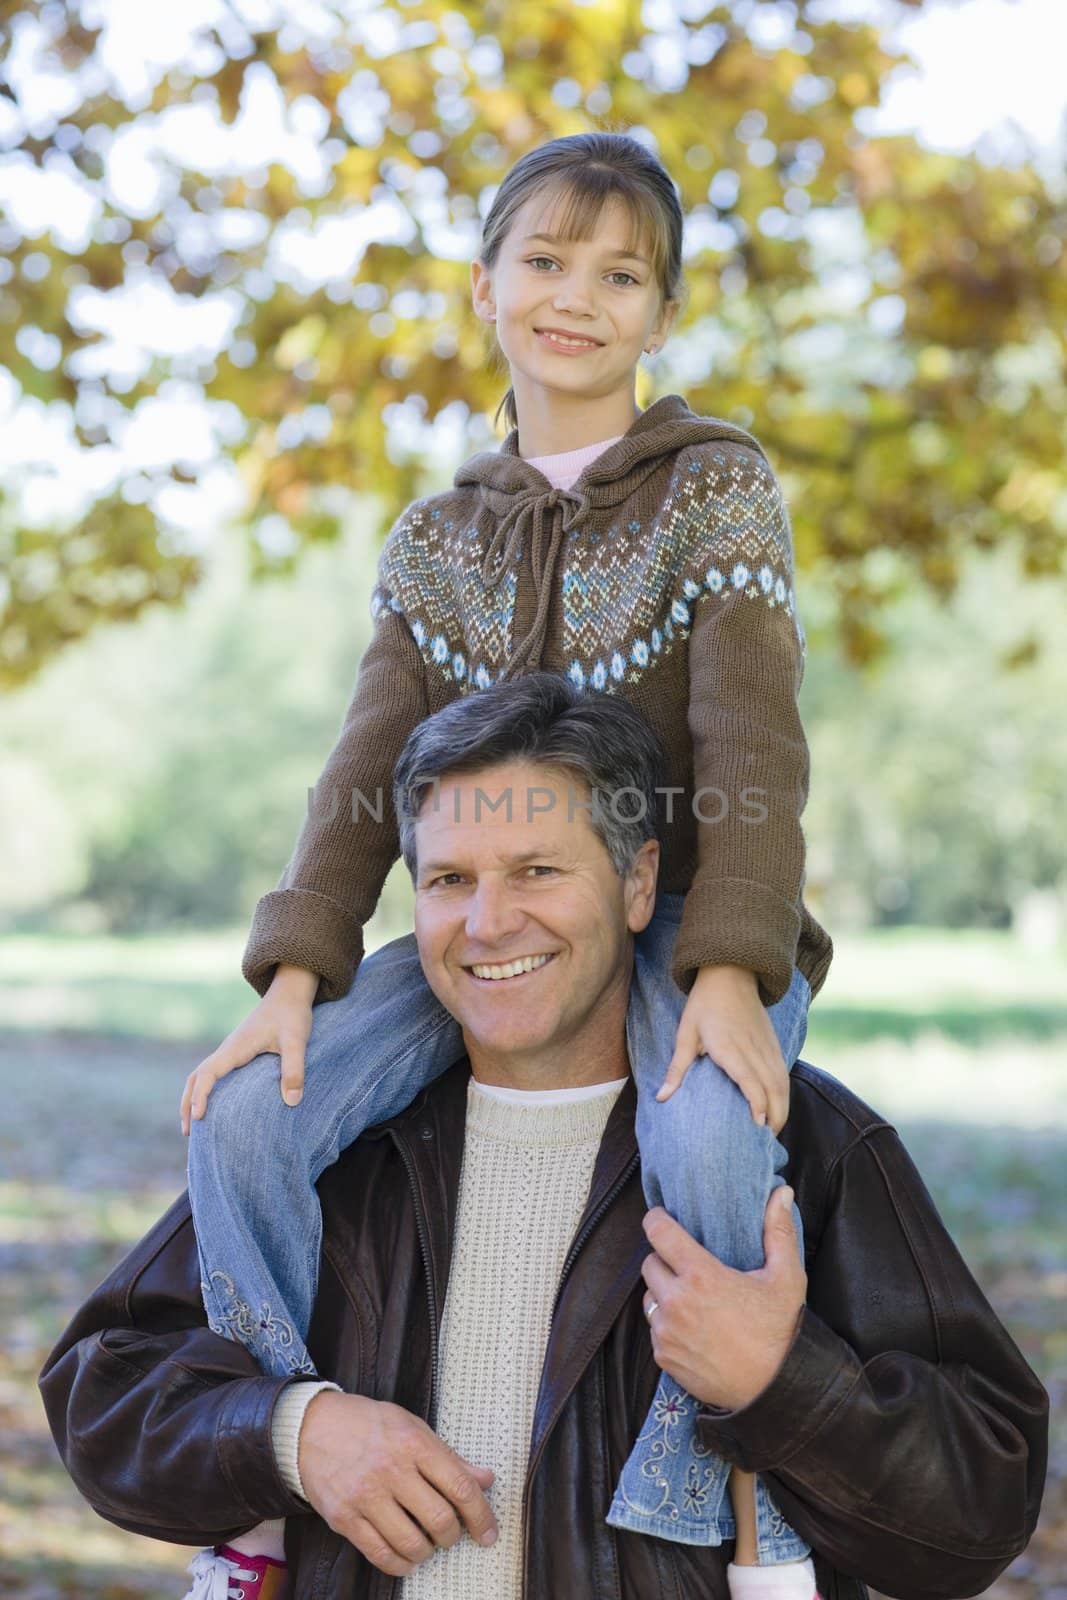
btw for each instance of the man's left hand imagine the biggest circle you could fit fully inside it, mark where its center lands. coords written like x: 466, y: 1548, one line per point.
x: 720, y: 1333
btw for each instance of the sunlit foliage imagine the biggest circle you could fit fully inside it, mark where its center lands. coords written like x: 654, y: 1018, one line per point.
x: 889, y: 320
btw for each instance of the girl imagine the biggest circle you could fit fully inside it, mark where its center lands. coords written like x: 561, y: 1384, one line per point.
x: 641, y: 553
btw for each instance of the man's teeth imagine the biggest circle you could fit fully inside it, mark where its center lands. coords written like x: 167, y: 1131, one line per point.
x: 513, y: 968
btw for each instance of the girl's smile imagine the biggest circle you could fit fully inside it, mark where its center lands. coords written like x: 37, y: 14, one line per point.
x: 566, y: 345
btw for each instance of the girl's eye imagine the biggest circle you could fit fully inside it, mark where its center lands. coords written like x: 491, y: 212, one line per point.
x: 532, y: 260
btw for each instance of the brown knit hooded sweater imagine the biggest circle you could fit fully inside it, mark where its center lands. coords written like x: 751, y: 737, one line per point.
x: 664, y: 574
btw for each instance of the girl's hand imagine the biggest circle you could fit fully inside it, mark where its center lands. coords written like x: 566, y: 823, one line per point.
x: 725, y: 1019
x: 281, y: 1022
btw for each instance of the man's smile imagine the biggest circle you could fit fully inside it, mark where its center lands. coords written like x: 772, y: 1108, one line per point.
x: 520, y: 967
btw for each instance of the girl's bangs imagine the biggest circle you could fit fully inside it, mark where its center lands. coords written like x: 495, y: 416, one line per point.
x: 582, y: 197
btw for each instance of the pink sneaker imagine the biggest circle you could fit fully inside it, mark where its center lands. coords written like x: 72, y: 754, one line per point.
x: 226, y: 1574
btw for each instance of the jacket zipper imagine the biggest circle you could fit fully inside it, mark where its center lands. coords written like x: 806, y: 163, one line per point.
x: 431, y: 1297
x: 572, y: 1253
x: 431, y: 1301
x: 590, y: 1224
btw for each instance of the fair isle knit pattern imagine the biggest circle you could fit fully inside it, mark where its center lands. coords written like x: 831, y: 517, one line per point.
x: 523, y: 1187
x: 434, y: 549
x: 664, y: 574
x: 629, y: 593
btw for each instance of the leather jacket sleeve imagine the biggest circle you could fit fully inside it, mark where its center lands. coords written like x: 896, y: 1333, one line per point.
x: 164, y: 1426
x: 904, y: 1436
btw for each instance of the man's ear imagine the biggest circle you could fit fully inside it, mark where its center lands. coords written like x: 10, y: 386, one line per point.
x: 640, y: 886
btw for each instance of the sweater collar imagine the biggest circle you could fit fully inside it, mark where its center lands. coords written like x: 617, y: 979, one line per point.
x: 519, y: 497
x: 666, y: 426
x: 432, y: 1130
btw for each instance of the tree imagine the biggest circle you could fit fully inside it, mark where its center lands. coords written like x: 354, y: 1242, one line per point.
x: 891, y: 321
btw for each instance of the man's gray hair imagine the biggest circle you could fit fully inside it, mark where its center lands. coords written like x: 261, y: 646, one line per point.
x: 541, y: 717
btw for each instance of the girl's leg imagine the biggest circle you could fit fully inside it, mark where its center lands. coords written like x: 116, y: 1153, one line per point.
x: 254, y: 1161
x: 712, y: 1167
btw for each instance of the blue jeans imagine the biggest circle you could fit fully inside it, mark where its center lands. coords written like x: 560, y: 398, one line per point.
x: 254, y: 1163
x: 712, y: 1167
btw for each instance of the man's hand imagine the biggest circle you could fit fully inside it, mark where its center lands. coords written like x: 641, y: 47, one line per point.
x: 723, y: 1334
x: 384, y: 1480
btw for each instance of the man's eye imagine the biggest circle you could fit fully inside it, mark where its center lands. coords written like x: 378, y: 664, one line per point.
x: 442, y: 878
x: 540, y: 869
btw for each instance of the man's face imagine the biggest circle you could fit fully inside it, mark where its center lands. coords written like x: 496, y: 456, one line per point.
x: 492, y: 890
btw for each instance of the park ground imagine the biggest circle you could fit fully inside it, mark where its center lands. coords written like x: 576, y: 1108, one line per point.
x: 960, y: 1038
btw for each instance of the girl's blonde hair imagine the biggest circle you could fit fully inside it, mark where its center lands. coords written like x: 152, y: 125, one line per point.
x: 585, y: 169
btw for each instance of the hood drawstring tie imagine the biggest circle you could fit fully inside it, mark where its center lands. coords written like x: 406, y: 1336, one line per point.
x: 553, y: 513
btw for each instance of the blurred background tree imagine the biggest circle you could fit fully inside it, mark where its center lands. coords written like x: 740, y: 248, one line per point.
x: 891, y: 319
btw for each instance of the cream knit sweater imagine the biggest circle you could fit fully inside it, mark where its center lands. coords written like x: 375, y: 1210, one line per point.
x: 525, y: 1181
x: 527, y: 1165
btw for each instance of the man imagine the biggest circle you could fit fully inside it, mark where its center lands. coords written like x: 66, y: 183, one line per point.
x: 488, y: 1305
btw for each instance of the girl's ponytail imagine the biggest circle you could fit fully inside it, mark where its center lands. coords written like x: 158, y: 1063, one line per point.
x: 507, y: 406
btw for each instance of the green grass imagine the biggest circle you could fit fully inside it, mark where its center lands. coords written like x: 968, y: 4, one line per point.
x: 971, y: 1006
x: 158, y: 986
x: 966, y: 983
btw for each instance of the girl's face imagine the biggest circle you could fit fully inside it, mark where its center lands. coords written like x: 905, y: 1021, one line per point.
x: 590, y: 288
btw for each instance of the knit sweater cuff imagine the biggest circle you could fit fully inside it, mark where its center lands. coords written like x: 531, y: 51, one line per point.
x: 300, y: 928
x: 285, y: 1427
x: 740, y: 922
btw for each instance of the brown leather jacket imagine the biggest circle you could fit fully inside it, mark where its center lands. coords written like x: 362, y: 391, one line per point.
x: 904, y: 1436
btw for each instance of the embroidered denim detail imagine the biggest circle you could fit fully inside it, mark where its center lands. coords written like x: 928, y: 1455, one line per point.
x: 698, y: 1484
x: 269, y: 1338
x: 670, y: 1478
x: 674, y: 1487
x: 687, y: 1499
x: 776, y: 1541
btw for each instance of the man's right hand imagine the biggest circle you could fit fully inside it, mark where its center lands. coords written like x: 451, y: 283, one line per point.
x: 281, y: 1023
x: 383, y: 1479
